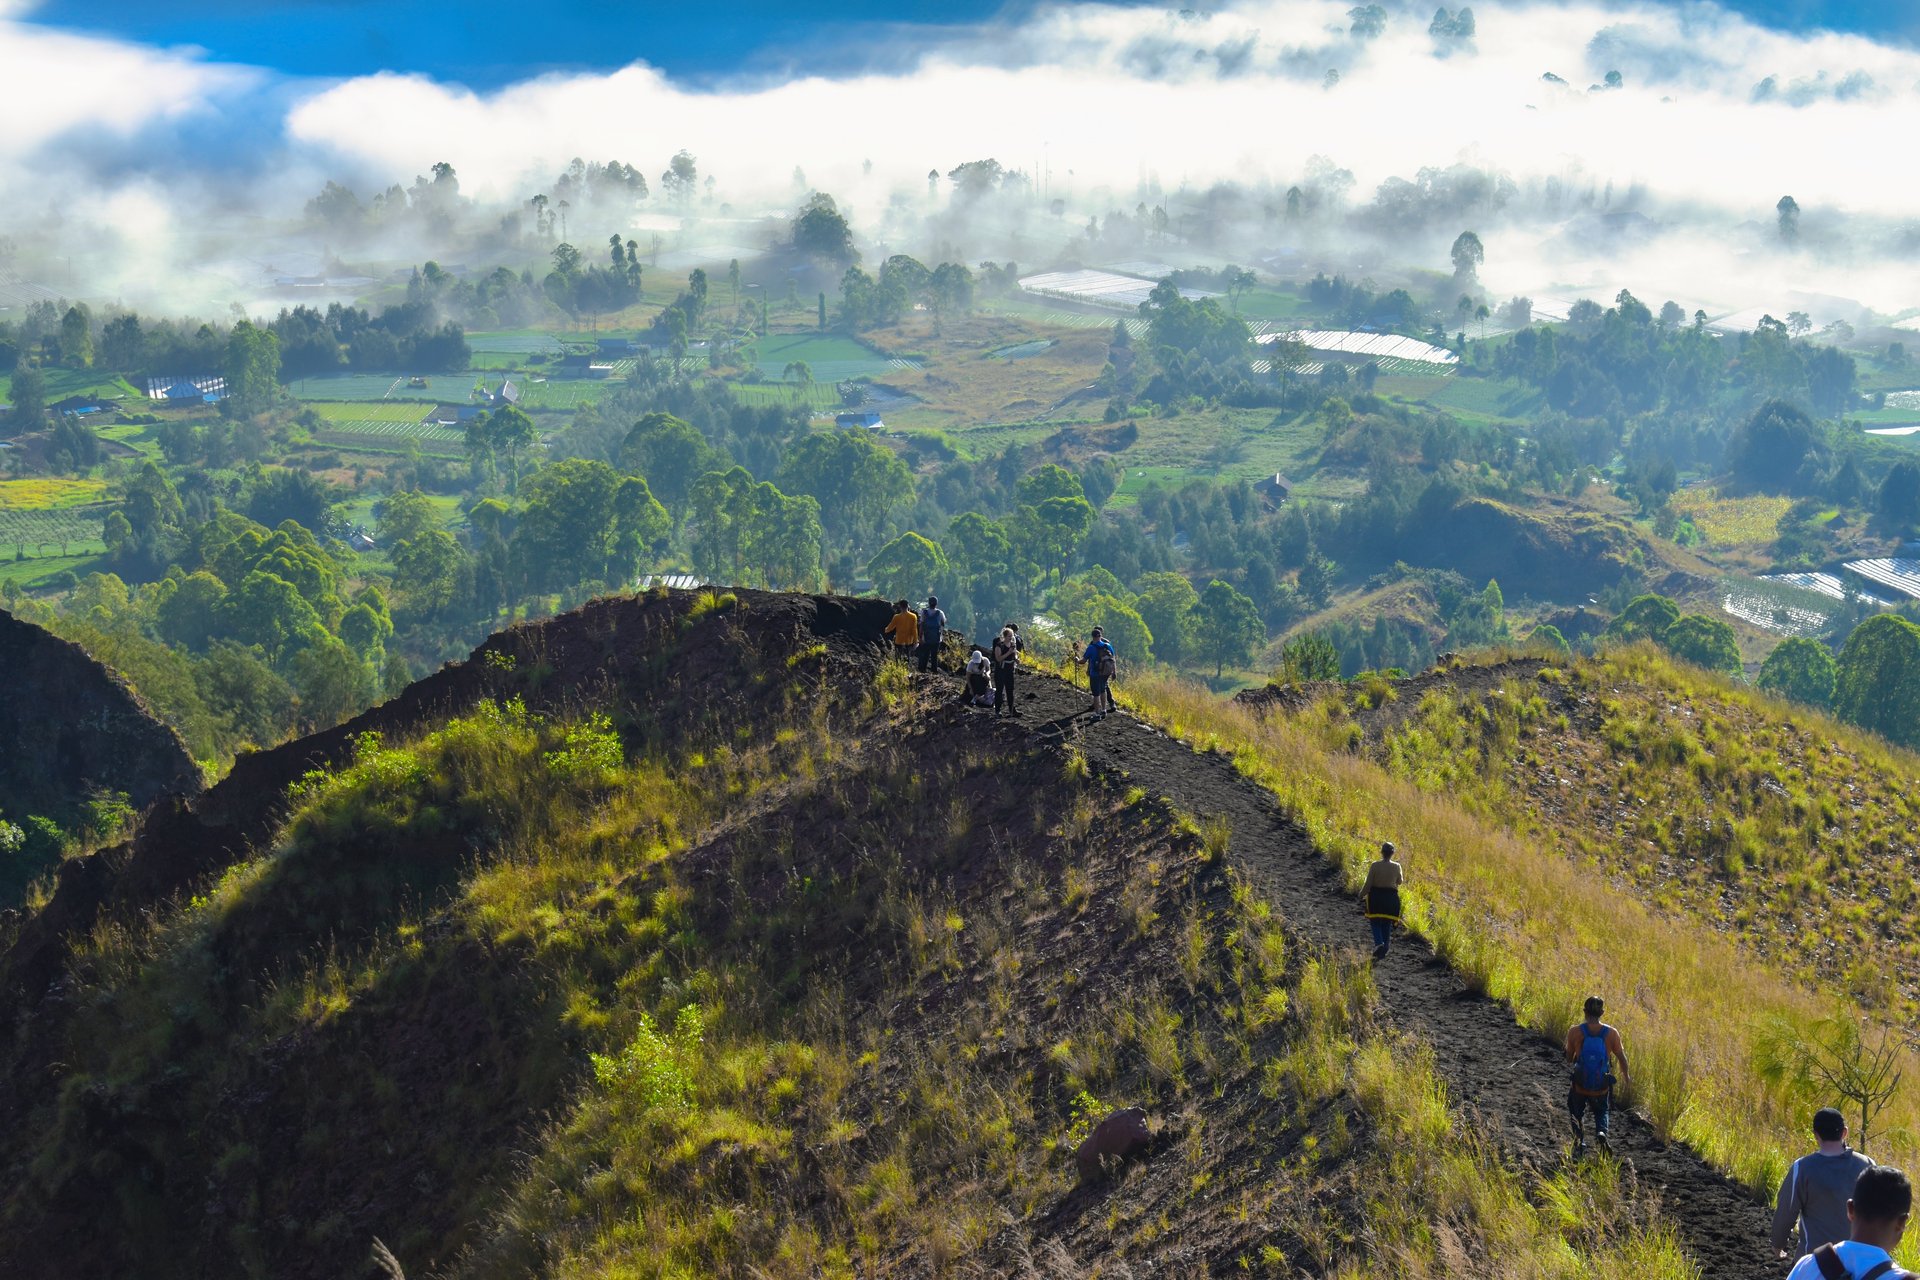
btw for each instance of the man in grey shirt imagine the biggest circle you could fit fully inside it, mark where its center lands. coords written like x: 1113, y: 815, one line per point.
x: 1817, y: 1187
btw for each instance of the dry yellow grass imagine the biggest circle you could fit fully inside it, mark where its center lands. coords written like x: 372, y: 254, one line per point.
x: 1731, y: 522
x: 1542, y: 932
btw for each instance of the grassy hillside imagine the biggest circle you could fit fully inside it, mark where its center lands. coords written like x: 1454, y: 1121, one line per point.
x: 821, y: 977
x: 1500, y: 785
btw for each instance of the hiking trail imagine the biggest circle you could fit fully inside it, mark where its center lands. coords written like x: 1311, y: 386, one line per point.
x: 1501, y: 1075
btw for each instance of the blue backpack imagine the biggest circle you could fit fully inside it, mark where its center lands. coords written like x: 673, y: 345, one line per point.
x: 1590, y: 1074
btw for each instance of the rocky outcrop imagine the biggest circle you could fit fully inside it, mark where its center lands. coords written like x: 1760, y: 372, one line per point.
x: 70, y: 727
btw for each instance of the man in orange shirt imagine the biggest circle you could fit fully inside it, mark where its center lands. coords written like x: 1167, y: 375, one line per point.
x: 905, y: 630
x: 1590, y: 1046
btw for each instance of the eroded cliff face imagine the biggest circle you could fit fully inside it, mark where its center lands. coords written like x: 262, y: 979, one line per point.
x: 70, y: 727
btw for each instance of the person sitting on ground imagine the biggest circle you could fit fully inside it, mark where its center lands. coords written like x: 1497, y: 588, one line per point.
x: 1589, y: 1046
x: 1381, y: 898
x: 905, y: 630
x: 1101, y: 664
x: 979, y: 678
x: 1816, y: 1189
x: 1006, y: 657
x: 933, y: 624
x: 1877, y: 1217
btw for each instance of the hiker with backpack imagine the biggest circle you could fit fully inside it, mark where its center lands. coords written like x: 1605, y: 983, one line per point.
x: 1381, y: 898
x: 1877, y: 1218
x: 1101, y: 663
x: 933, y: 624
x: 1817, y: 1187
x: 1590, y: 1046
x: 1005, y: 657
x: 905, y: 630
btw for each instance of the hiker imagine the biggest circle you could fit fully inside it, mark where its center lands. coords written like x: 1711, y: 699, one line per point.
x: 1006, y: 656
x: 979, y: 678
x: 933, y: 624
x: 905, y: 630
x: 1815, y: 1191
x: 1381, y: 898
x: 1877, y: 1217
x: 1101, y: 663
x: 1589, y: 1045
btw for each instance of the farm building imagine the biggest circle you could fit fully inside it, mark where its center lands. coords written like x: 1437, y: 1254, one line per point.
x: 599, y: 370
x: 1370, y: 346
x: 1898, y: 578
x: 360, y: 540
x: 206, y: 390
x: 1274, y: 489
x: 1107, y: 289
x: 674, y: 581
x: 619, y: 348
x: 868, y: 418
x: 454, y: 415
x: 74, y: 406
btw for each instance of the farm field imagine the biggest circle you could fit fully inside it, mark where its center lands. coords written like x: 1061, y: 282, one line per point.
x: 62, y: 383
x: 520, y: 342
x: 832, y: 359
x: 71, y: 528
x: 569, y: 394
x: 137, y: 436
x: 376, y: 386
x: 49, y: 492
x: 34, y: 572
x: 813, y: 395
x: 1731, y: 522
x: 394, y: 430
x: 361, y: 411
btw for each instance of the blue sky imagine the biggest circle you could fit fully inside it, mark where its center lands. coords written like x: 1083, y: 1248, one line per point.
x: 488, y: 43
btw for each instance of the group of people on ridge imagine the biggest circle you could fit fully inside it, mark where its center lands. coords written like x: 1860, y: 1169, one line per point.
x: 990, y: 672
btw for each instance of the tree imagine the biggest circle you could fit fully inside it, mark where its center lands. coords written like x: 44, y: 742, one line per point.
x: 1877, y: 679
x: 671, y: 454
x: 426, y: 572
x: 405, y: 515
x: 586, y: 523
x: 909, y: 566
x: 1788, y: 214
x: 253, y: 368
x: 1119, y: 622
x: 1165, y: 602
x: 1547, y: 636
x: 364, y: 629
x: 29, y: 395
x: 1226, y: 626
x: 1770, y: 450
x: 1899, y: 498
x: 733, y: 278
x: 76, y: 336
x: 1799, y: 669
x: 1468, y: 254
x: 1308, y: 656
x: 681, y: 180
x: 858, y: 482
x: 820, y: 230
x: 1705, y: 642
x: 268, y: 611
x: 1646, y: 617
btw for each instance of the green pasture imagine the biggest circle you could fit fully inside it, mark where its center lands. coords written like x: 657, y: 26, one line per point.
x: 62, y: 383
x: 135, y: 435
x: 390, y: 429
x: 812, y: 395
x: 832, y: 358
x: 361, y: 411
x: 1270, y: 303
x: 382, y: 386
x: 32, y: 574
x: 565, y: 394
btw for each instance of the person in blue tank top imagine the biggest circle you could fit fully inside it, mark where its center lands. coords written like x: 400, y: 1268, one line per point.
x: 1592, y: 1046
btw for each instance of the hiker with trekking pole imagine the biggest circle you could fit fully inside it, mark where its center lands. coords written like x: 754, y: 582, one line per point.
x: 1590, y: 1047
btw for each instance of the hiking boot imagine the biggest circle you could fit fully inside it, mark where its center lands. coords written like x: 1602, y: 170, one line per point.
x: 1380, y: 953
x: 1606, y: 1148
x: 1579, y: 1147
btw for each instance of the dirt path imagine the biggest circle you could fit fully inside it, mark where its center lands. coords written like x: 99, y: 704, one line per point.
x: 1510, y: 1078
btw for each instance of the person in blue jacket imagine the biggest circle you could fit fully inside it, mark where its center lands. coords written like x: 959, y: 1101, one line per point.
x: 1101, y: 662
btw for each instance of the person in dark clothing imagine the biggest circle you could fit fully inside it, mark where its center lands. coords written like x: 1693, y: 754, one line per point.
x: 1382, y: 898
x: 1815, y: 1191
x: 933, y: 624
x: 1006, y: 657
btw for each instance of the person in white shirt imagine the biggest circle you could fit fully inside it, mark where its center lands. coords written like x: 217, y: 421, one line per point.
x: 1877, y: 1215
